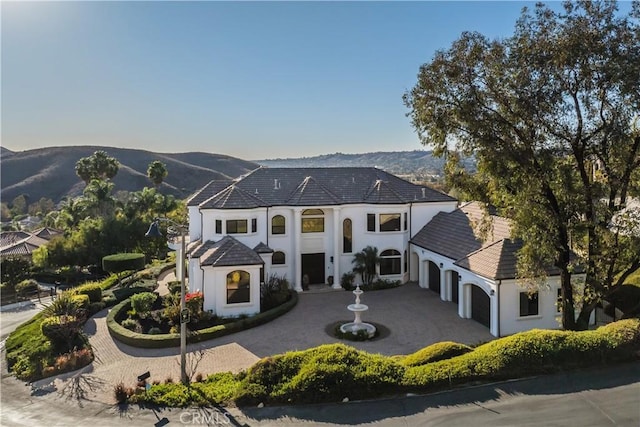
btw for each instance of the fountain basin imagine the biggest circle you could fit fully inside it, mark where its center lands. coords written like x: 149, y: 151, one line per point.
x: 354, y: 328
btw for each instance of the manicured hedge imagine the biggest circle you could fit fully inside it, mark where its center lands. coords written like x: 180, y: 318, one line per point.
x: 118, y: 313
x: 93, y: 290
x: 118, y: 263
x: 436, y: 352
x: 334, y: 372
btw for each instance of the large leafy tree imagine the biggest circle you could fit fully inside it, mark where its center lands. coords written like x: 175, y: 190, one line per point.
x: 99, y: 166
x: 157, y: 172
x: 551, y: 116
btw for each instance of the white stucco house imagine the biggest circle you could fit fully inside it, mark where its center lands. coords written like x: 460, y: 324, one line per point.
x: 306, y: 223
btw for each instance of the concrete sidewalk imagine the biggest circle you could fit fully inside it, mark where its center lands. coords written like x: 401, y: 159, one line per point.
x: 415, y: 318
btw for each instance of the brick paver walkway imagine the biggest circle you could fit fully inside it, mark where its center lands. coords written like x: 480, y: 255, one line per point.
x: 415, y: 318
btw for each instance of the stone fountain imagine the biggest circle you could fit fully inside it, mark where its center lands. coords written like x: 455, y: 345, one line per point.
x: 358, y: 325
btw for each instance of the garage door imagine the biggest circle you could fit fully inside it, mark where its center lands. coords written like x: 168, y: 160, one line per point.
x: 480, y: 306
x: 434, y: 277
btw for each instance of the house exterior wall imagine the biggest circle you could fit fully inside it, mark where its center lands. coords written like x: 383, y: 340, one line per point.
x: 215, y: 291
x: 548, y: 316
x: 293, y: 243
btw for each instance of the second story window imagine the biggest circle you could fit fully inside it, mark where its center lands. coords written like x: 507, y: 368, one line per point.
x: 277, y: 224
x: 312, y: 221
x: 236, y: 226
x: 371, y: 222
x: 390, y: 222
x: 218, y: 226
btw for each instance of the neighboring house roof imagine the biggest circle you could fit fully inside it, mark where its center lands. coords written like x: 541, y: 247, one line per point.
x: 209, y: 190
x: 314, y: 187
x: 22, y: 247
x: 227, y: 251
x: 47, y: 232
x: 11, y: 237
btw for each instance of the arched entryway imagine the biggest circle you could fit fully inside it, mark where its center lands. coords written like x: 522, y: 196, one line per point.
x: 434, y: 277
x: 480, y: 306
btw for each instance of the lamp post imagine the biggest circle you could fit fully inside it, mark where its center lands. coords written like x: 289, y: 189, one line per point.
x: 154, y: 231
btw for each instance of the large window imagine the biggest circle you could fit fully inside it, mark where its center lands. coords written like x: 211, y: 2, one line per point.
x: 236, y: 226
x: 347, y: 236
x: 528, y: 304
x: 238, y: 287
x: 371, y: 222
x: 390, y: 222
x: 312, y: 221
x: 277, y: 225
x: 278, y: 258
x: 390, y: 261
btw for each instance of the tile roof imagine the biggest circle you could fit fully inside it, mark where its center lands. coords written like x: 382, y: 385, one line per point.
x: 233, y: 197
x: 315, y: 187
x: 261, y: 248
x: 456, y: 235
x: 208, y: 191
x: 20, y: 243
x: 497, y: 260
x: 47, y: 232
x: 227, y: 251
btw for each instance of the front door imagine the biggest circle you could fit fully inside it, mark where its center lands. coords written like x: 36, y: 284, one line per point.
x: 312, y: 269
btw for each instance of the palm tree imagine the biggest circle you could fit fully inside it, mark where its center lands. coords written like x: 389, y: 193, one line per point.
x: 157, y: 172
x: 366, y: 262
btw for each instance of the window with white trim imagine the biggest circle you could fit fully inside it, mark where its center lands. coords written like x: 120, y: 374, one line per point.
x: 390, y: 261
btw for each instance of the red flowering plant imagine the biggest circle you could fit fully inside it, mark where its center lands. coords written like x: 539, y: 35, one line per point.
x: 194, y: 301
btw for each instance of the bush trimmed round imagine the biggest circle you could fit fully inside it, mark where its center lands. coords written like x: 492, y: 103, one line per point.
x: 118, y: 263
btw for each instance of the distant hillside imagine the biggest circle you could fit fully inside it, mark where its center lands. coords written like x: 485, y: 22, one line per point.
x: 417, y: 162
x: 50, y: 172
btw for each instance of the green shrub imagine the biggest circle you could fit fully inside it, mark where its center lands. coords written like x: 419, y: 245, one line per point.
x: 130, y: 324
x: 81, y: 301
x: 435, y: 352
x: 142, y: 303
x: 109, y: 300
x: 347, y: 280
x: 124, y: 293
x: 27, y: 287
x: 95, y: 307
x: 118, y: 263
x: 174, y: 286
x: 93, y: 290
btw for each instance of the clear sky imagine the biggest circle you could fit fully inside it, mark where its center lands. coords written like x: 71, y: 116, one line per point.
x: 252, y: 80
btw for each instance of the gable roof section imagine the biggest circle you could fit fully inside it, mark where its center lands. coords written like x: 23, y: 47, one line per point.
x: 228, y: 251
x: 311, y: 193
x: 383, y: 192
x: 47, y: 232
x: 261, y: 248
x: 497, y: 260
x: 233, y: 197
x: 208, y: 191
x: 320, y: 186
x: 20, y: 243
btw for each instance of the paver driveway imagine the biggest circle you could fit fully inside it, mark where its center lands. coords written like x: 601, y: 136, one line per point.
x: 415, y: 318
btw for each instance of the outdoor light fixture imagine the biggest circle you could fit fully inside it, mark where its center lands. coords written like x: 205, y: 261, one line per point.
x: 154, y: 231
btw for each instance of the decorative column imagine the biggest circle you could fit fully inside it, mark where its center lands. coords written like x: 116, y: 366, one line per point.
x: 336, y: 247
x: 297, y: 255
x: 445, y: 295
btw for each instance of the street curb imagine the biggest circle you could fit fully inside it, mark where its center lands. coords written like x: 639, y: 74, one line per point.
x: 17, y: 306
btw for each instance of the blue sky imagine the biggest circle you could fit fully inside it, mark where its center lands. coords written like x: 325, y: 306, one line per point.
x: 252, y: 80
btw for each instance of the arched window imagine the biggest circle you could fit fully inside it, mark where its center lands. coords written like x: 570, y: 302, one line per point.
x: 238, y: 287
x: 312, y: 221
x: 278, y: 258
x: 277, y: 224
x: 390, y: 261
x: 347, y: 236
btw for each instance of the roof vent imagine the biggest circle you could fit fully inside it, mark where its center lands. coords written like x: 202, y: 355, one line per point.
x: 353, y: 179
x: 256, y: 191
x: 276, y: 184
x: 423, y: 192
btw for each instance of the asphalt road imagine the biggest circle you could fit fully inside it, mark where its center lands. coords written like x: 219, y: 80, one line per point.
x: 597, y: 397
